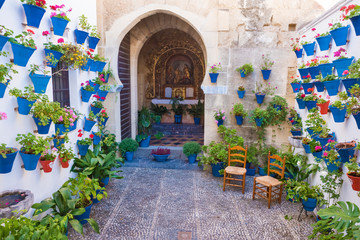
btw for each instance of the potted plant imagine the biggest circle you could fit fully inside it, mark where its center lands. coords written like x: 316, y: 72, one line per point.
x: 239, y: 112
x: 266, y: 66
x: 81, y: 33
x: 6, y: 71
x: 295, y: 84
x: 353, y: 106
x: 47, y: 160
x: 96, y: 105
x: 34, y: 11
x: 53, y: 52
x: 127, y: 147
x: 259, y: 117
x: 145, y: 121
x: 306, y: 84
x: 294, y: 116
x: 332, y: 158
x: 338, y: 111
x: 215, y: 155
x: 31, y: 149
x: 351, y: 77
x: 316, y: 149
x: 59, y: 19
x: 300, y: 100
x: 353, y: 173
x: 191, y: 150
x: 94, y: 37
x: 103, y: 91
x: 65, y: 155
x: 310, y: 100
x: 102, y: 118
x: 107, y: 73
x: 86, y: 91
x: 25, y: 99
x: 346, y: 150
x: 296, y: 130
x: 83, y: 144
x: 177, y: 108
x: 245, y: 69
x: 352, y: 12
x: 331, y: 83
x: 305, y: 142
x: 5, y: 34
x: 323, y: 105
x: 160, y: 154
x: 219, y: 117
x: 213, y: 72
x: 295, y: 44
x: 323, y: 40
x: 303, y: 70
x: 23, y: 47
x: 261, y: 91
x: 325, y: 67
x: 251, y: 164
x: 241, y: 91
x: 89, y: 122
x: 342, y: 62
x: 313, y: 67
x: 96, y: 136
x: 196, y: 110
x: 41, y: 80
x: 7, y: 157
x: 339, y: 33
x: 278, y: 103
x: 309, y: 47
x: 310, y: 196
x: 159, y: 110
x: 98, y: 64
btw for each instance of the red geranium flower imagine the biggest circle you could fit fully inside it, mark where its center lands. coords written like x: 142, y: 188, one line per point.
x: 91, y: 136
x: 30, y: 31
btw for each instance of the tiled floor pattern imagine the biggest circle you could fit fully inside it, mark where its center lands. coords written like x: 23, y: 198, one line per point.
x: 176, y: 140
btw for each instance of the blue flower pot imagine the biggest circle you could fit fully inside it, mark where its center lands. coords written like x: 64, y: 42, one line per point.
x: 192, y: 158
x: 21, y: 54
x: 260, y: 98
x: 94, y: 85
x: 311, y: 132
x: 72, y: 128
x: 30, y: 160
x: 54, y: 56
x: 96, y: 139
x: 33, y: 14
x: 299, y: 53
x: 324, y: 42
x: 356, y: 24
x: 303, y: 72
x: 58, y: 142
x: 306, y: 86
x: 307, y: 148
x: 339, y: 115
x: 324, y: 141
x: 346, y: 153
x: 318, y: 154
x: 95, y: 110
x: 94, y: 200
x: 296, y: 133
x: 340, y: 35
x: 82, y: 149
x: 24, y: 105
x: 129, y: 156
x: 59, y: 25
x: 266, y: 74
x: 277, y: 107
x: 314, y: 71
x: 161, y: 158
x: 86, y: 95
x: 105, y: 181
x: 102, y: 124
x: 1, y: 4
x: 3, y: 41
x: 242, y: 73
x: 319, y: 86
x: 239, y: 120
x: 215, y: 168
x: 86, y: 215
x: 309, y: 48
x: 40, y: 82
x: 310, y: 204
x: 145, y: 142
x: 86, y: 67
x: 6, y: 164
x: 295, y: 87
x: 94, y: 66
x: 301, y: 103
x: 332, y: 87
x: 102, y: 94
x: 259, y: 121
x: 42, y: 129
x: 60, y: 129
x: 349, y: 83
x: 262, y: 171
x: 220, y: 122
x: 3, y: 87
x: 357, y: 119
x: 326, y: 69
x: 197, y: 121
x: 93, y: 42
x: 241, y: 94
x: 342, y: 64
x: 310, y: 104
x: 80, y: 36
x: 335, y: 166
x: 250, y: 171
x: 178, y: 118
x: 88, y: 125
x: 100, y: 66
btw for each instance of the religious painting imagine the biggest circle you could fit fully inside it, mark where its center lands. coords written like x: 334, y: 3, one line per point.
x: 179, y: 71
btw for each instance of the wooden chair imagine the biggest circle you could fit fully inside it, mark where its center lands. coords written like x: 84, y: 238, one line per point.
x: 230, y: 171
x: 270, y: 186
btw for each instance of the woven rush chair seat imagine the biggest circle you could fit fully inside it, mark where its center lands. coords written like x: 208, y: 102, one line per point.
x: 268, y: 181
x: 235, y: 170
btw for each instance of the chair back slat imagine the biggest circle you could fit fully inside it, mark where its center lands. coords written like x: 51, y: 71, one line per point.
x: 280, y: 169
x: 275, y: 171
x: 237, y: 157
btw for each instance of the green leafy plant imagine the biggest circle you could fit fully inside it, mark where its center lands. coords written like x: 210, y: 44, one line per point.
x: 241, y: 88
x: 215, y: 68
x: 31, y: 144
x: 230, y: 136
x: 267, y: 62
x: 264, y: 89
x: 353, y: 166
x: 6, y: 150
x: 65, y: 153
x: 128, y: 145
x: 38, y: 69
x: 83, y: 23
x: 45, y: 110
x: 5, y: 31
x: 109, y: 144
x: 94, y: 32
x: 314, y: 121
x: 176, y: 106
x: 25, y: 39
x: 213, y: 153
x: 191, y: 148
x: 238, y: 110
x: 6, y: 70
x: 28, y: 93
x: 259, y: 113
x: 196, y: 110
x: 73, y: 58
x: 145, y: 120
x: 304, y: 191
x: 246, y: 68
x: 158, y: 109
x: 331, y: 184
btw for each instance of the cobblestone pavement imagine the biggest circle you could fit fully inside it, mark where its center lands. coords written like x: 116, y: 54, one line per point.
x: 158, y: 203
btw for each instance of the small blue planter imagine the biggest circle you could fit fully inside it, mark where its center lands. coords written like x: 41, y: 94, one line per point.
x: 342, y: 64
x: 357, y: 119
x: 197, y: 121
x: 21, y: 54
x: 60, y: 129
x: 42, y: 129
x: 319, y: 86
x: 129, y: 156
x: 86, y: 215
x: 260, y: 97
x: 96, y: 139
x: 58, y: 142
x: 192, y: 158
x: 93, y: 42
x: 86, y: 95
x: 3, y: 41
x: 80, y: 36
x: 309, y: 48
x: 100, y: 66
x: 318, y: 154
x: 242, y: 73
x: 59, y: 25
x: 303, y: 72
x: 178, y: 118
x: 266, y: 74
x: 310, y: 204
x: 94, y: 66
x: 349, y: 83
x: 299, y: 53
x: 241, y: 94
x: 105, y: 181
x: 3, y: 87
x: 332, y: 87
x: 307, y: 148
x: 88, y: 125
x: 94, y: 85
x: 72, y: 128
x: 220, y: 122
x: 95, y: 110
x: 326, y: 69
x: 102, y: 94
x: 6, y: 164
x: 82, y: 149
x: 30, y: 160
x: 102, y: 124
x: 33, y: 14
x: 346, y: 153
x: 250, y: 171
x: 356, y: 24
x: 40, y: 82
x: 259, y: 121
x: 296, y: 133
x: 296, y: 87
x: 54, y: 56
x: 314, y: 71
x: 340, y: 35
x: 301, y: 103
x: 338, y: 114
x: 146, y: 142
x: 239, y: 120
x: 161, y: 158
x: 1, y: 4
x: 324, y: 141
x: 215, y: 168
x: 310, y: 104
x: 262, y: 171
x: 333, y: 166
x: 306, y: 86
x: 324, y: 42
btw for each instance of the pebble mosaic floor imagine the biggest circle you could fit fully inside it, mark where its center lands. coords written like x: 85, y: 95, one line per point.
x: 188, y: 203
x: 177, y: 140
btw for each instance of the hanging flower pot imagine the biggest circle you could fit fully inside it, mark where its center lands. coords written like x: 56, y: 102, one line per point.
x: 326, y: 69
x: 239, y: 120
x: 324, y: 141
x: 33, y: 14
x: 93, y: 42
x: 346, y: 150
x: 303, y: 72
x: 349, y: 83
x: 96, y: 138
x: 301, y: 103
x: 332, y: 87
x: 342, y: 64
x: 102, y: 95
x: 355, y: 181
x: 88, y: 125
x: 296, y: 132
x: 1, y: 4
x: 80, y: 36
x: 357, y: 119
x: 242, y: 73
x: 59, y: 25
x: 311, y: 132
x: 338, y: 114
x: 309, y: 48
x: 306, y: 86
x: 314, y: 71
x: 6, y: 164
x: 241, y: 94
x: 259, y: 121
x: 299, y: 53
x: 103, y: 123
x: 266, y: 74
x: 310, y: 104
x: 324, y: 42
x: 54, y: 56
x: 310, y: 204
x: 64, y: 162
x: 178, y: 118
x: 220, y: 122
x: 3, y: 87
x: 216, y: 167
x: 95, y: 110
x: 21, y: 54
x: 73, y: 127
x: 30, y: 160
x: 60, y: 129
x: 86, y: 95
x: 86, y: 67
x: 307, y: 148
x: 82, y: 148
x: 42, y: 129
x: 24, y: 105
x: 260, y: 97
x: 47, y: 165
x: 324, y: 107
x: 296, y: 87
x: 3, y: 41
x: 40, y: 82
x: 318, y: 154
x: 100, y: 66
x: 319, y: 86
x: 334, y: 166
x: 58, y: 141
x: 340, y: 35
x: 356, y: 24
x: 94, y: 85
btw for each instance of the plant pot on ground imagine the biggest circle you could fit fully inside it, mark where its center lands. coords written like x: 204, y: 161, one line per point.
x: 161, y: 154
x: 127, y: 147
x: 145, y: 121
x: 177, y: 108
x: 159, y: 111
x: 191, y: 150
x: 215, y: 155
x: 196, y: 110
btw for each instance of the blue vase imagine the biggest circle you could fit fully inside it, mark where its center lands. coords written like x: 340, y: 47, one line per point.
x: 299, y: 53
x: 239, y: 120
x: 60, y: 129
x: 42, y: 129
x: 58, y: 142
x: 88, y: 125
x: 340, y: 35
x: 192, y: 158
x: 33, y: 14
x: 82, y: 149
x: 319, y: 86
x: 335, y: 166
x: 324, y: 42
x: 21, y: 54
x: 295, y: 87
x: 301, y: 103
x: 349, y: 83
x: 160, y: 158
x: 80, y: 36
x: 309, y: 48
x: 303, y: 72
x: 3, y: 87
x: 307, y: 148
x: 145, y: 142
x: 59, y: 25
x: 357, y: 119
x: 356, y: 24
x: 259, y: 121
x: 102, y: 124
x: 24, y: 105
x: 332, y: 87
x: 306, y: 86
x: 30, y: 160
x: 310, y: 104
x: 241, y: 94
x: 318, y: 154
x: 326, y: 69
x: 242, y: 73
x: 82, y: 218
x: 346, y: 153
x: 266, y: 74
x: 1, y: 4
x: 129, y: 156
x: 54, y: 56
x: 215, y: 168
x: 197, y: 121
x: 314, y: 71
x: 220, y: 122
x: 102, y: 94
x: 310, y: 204
x: 95, y: 110
x: 338, y: 114
x: 342, y: 64
x: 3, y: 41
x: 96, y: 139
x: 86, y: 95
x: 105, y: 181
x: 40, y: 82
x: 260, y: 97
x: 6, y: 164
x: 93, y: 42
x: 178, y: 118
x: 262, y: 171
x: 296, y: 133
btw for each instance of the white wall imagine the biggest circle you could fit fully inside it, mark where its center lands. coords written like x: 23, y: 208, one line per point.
x: 348, y: 130
x: 12, y: 16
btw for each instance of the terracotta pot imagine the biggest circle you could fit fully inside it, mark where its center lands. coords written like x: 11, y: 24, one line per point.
x: 64, y: 164
x: 355, y: 182
x: 324, y: 107
x: 47, y: 165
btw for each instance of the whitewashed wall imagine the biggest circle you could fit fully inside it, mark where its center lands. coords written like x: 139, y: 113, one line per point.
x: 348, y: 130
x: 12, y: 16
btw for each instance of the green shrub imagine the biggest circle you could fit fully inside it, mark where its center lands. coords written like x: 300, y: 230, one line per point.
x: 190, y: 148
x: 128, y: 145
